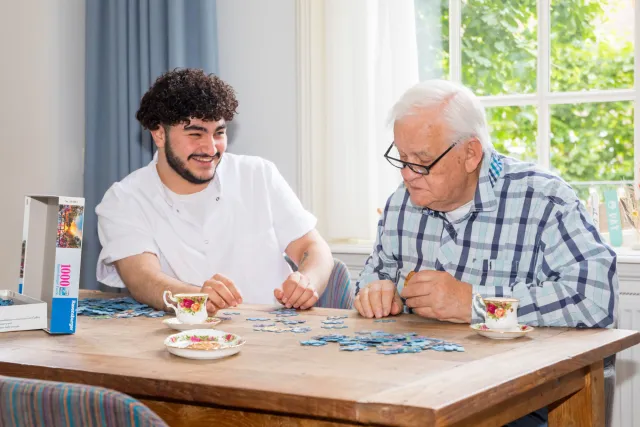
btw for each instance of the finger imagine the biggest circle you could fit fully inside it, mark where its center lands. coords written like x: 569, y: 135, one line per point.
x: 290, y: 286
x: 418, y: 302
x: 211, y: 308
x: 277, y: 292
x: 418, y: 288
x: 230, y: 286
x: 297, y: 293
x: 366, y: 304
x: 214, y: 298
x: 396, y: 305
x: 387, y: 295
x: 375, y: 299
x: 358, y: 305
x: 311, y: 302
x: 224, y: 293
x: 304, y: 298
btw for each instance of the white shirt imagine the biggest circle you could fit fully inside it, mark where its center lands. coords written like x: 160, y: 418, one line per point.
x: 239, y: 226
x: 458, y: 213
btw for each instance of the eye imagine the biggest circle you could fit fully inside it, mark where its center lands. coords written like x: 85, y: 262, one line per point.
x: 197, y: 135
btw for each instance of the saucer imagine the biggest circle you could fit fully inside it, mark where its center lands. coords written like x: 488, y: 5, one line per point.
x: 501, y: 334
x: 204, y: 344
x: 176, y: 324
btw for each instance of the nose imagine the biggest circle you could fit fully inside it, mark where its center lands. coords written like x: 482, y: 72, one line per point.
x: 409, y: 175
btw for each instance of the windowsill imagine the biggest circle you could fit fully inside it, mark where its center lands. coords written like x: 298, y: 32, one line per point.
x: 626, y: 255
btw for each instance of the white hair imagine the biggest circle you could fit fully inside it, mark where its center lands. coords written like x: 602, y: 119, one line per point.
x: 461, y: 109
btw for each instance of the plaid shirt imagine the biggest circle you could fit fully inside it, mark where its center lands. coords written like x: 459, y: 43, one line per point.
x: 526, y: 236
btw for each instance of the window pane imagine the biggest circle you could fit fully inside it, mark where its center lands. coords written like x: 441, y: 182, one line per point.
x: 499, y: 46
x: 514, y: 131
x: 432, y: 35
x: 591, y: 44
x: 592, y: 141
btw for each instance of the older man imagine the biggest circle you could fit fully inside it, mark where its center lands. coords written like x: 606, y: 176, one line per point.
x: 469, y: 221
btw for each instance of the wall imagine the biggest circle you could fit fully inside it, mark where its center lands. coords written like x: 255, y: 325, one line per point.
x: 257, y: 56
x: 41, y: 112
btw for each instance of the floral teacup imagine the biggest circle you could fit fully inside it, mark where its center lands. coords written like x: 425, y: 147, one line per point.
x: 499, y: 313
x: 190, y: 308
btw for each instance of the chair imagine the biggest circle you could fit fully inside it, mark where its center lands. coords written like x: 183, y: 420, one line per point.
x: 339, y: 292
x: 25, y: 402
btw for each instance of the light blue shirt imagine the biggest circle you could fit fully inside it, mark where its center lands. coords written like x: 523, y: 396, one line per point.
x: 527, y: 236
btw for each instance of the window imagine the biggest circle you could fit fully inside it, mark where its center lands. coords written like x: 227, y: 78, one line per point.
x: 556, y: 77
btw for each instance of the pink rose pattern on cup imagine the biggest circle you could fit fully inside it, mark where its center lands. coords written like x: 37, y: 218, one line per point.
x: 498, y: 310
x: 191, y: 305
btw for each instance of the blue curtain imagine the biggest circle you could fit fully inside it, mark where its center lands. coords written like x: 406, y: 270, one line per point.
x: 129, y: 43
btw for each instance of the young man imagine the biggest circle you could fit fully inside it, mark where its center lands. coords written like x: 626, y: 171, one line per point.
x: 197, y: 219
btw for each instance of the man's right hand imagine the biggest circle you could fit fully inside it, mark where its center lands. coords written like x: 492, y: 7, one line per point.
x: 222, y: 293
x: 378, y: 299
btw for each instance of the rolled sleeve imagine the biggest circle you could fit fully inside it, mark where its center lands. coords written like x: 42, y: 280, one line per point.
x: 290, y: 219
x: 123, y: 232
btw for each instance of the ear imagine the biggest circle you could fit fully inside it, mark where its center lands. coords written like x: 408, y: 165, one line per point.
x: 159, y: 136
x: 473, y: 155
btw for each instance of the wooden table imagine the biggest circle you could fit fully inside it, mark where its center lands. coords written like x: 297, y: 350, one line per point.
x: 276, y: 381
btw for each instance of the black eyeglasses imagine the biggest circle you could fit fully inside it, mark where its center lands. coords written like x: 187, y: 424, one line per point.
x: 419, y: 169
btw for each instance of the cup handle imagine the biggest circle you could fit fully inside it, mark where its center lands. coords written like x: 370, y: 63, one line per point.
x: 479, y: 304
x: 167, y: 303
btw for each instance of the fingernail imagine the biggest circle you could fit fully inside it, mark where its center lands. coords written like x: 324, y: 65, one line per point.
x: 378, y: 314
x: 288, y: 305
x: 284, y: 299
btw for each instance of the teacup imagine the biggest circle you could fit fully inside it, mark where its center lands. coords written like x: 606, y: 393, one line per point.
x: 190, y: 309
x: 499, y: 312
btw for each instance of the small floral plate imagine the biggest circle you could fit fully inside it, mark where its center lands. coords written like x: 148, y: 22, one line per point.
x: 204, y: 344
x: 501, y: 334
x: 175, y: 323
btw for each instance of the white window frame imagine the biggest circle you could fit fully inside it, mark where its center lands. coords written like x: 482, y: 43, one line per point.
x: 310, y: 98
x: 544, y: 98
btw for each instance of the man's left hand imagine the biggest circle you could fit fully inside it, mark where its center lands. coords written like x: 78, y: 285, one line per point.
x: 296, y: 292
x: 438, y: 295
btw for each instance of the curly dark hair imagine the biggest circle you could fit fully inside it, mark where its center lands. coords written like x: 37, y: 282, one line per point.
x: 182, y: 94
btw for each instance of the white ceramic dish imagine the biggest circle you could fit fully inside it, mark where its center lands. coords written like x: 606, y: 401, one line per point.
x: 175, y: 323
x: 204, y: 344
x: 502, y: 334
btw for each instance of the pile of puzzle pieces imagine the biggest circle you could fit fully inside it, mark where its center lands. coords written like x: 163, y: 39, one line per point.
x: 115, y: 308
x: 384, y: 342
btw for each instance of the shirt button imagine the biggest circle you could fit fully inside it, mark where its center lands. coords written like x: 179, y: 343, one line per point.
x: 206, y: 242
x: 217, y: 199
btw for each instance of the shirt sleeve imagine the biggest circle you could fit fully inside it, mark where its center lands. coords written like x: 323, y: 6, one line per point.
x: 380, y: 265
x: 123, y: 232
x: 290, y: 219
x: 576, y: 284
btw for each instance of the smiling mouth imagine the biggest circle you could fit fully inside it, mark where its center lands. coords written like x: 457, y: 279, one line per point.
x: 204, y: 159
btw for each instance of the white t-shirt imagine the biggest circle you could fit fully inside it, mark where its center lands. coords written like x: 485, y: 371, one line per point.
x: 239, y: 226
x: 458, y: 213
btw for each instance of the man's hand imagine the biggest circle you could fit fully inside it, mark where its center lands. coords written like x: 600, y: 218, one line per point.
x: 222, y: 293
x: 378, y: 299
x: 438, y: 295
x: 296, y: 292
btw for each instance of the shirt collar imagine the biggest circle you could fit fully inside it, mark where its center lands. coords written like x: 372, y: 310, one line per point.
x: 491, y: 169
x: 485, y: 197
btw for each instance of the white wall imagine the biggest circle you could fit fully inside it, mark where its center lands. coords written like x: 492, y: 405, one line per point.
x: 41, y: 112
x: 257, y: 56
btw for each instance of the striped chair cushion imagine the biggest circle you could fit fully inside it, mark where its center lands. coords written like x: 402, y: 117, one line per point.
x: 339, y: 292
x: 26, y: 403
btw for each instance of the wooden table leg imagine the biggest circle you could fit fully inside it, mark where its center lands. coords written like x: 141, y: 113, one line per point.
x: 586, y: 406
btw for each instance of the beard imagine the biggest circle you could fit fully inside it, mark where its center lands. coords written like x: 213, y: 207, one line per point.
x: 181, y: 168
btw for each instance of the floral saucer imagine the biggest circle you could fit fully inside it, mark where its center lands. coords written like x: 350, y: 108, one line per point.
x: 501, y: 334
x: 204, y: 344
x: 176, y: 324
